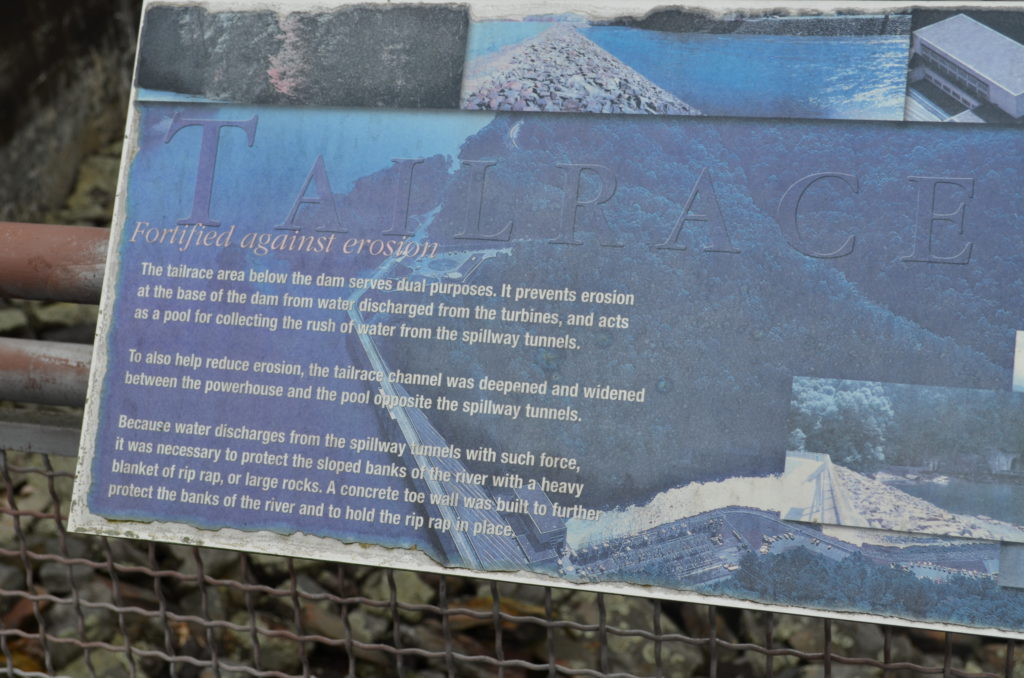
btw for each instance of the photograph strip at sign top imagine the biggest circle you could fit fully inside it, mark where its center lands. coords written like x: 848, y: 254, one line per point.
x: 427, y: 287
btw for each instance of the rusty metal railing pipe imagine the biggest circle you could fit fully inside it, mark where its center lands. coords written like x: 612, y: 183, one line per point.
x: 44, y: 261
x: 45, y: 372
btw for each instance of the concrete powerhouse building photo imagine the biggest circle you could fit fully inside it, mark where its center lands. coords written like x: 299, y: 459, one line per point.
x: 968, y: 71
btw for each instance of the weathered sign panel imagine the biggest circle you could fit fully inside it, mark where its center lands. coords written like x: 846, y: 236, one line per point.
x: 379, y: 292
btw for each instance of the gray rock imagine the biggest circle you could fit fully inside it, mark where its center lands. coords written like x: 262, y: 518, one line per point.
x: 108, y: 664
x: 11, y: 578
x: 800, y: 633
x: 93, y: 196
x: 216, y: 607
x: 216, y: 562
x: 66, y: 620
x: 12, y: 319
x: 59, y: 578
x: 409, y: 588
x: 840, y: 671
x: 277, y: 566
x: 524, y: 592
x: 755, y: 664
x: 223, y: 672
x: 367, y: 627
x: 83, y: 622
x: 327, y: 618
x: 632, y: 653
x: 858, y: 640
x: 993, y: 658
x: 127, y: 551
x: 65, y: 314
x: 275, y: 653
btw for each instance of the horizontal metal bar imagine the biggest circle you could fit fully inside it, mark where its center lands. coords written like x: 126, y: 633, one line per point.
x: 44, y: 371
x: 44, y: 261
x: 41, y: 431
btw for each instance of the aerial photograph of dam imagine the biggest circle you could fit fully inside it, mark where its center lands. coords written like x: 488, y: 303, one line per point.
x: 680, y: 63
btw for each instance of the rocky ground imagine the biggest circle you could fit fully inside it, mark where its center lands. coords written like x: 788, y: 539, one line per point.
x: 560, y: 70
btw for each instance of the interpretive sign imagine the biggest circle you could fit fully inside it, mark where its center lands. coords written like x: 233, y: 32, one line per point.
x: 346, y: 318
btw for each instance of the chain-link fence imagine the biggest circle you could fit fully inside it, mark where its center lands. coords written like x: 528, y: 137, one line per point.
x: 72, y: 605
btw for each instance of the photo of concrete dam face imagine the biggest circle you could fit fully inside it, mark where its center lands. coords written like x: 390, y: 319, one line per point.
x: 793, y: 67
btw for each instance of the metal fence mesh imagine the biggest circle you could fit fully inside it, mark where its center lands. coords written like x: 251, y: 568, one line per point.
x: 82, y: 606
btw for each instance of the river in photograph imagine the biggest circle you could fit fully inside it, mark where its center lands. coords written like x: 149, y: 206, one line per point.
x: 846, y: 77
x: 487, y: 37
x: 1002, y: 501
x: 841, y: 77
